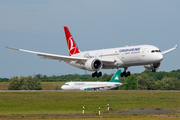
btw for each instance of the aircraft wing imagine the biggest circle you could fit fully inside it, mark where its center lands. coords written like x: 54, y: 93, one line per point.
x: 53, y: 56
x: 79, y: 60
x: 169, y: 50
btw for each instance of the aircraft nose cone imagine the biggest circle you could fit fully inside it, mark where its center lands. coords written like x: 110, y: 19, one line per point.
x: 62, y: 87
x: 160, y: 57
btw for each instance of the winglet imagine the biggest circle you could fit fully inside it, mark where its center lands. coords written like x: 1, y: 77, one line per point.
x: 11, y: 48
x: 169, y: 50
x: 176, y: 46
x: 116, y: 76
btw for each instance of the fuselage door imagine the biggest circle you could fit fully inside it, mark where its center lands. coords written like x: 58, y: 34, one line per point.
x: 143, y: 52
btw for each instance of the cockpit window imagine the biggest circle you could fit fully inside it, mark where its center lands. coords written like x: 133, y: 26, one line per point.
x: 155, y: 51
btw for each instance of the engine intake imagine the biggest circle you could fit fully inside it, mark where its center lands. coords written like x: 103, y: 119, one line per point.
x: 93, y: 65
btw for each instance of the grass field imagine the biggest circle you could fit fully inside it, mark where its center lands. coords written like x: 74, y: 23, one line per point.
x: 68, y: 102
x: 4, y: 85
x: 52, y: 85
x: 45, y: 85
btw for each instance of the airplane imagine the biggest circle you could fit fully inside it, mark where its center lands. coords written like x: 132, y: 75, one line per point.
x: 112, y: 83
x: 122, y: 57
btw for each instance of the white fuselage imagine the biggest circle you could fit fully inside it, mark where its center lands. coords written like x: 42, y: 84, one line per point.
x: 122, y: 56
x: 90, y: 85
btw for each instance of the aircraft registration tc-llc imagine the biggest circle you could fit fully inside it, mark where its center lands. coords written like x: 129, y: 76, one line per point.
x: 122, y: 57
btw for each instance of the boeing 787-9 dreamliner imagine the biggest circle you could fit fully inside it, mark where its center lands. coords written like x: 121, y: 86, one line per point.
x: 121, y: 57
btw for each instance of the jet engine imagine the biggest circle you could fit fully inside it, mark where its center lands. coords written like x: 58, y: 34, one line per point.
x: 93, y: 65
x: 153, y: 66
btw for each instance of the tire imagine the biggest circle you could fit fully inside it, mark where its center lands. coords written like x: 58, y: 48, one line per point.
x: 122, y: 75
x: 100, y: 73
x: 93, y: 75
x: 153, y: 69
x: 128, y: 73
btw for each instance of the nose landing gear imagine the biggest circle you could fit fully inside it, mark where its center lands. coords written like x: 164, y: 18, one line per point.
x: 126, y: 74
x: 96, y: 74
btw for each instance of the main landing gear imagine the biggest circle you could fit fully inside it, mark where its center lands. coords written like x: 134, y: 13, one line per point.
x: 97, y: 74
x: 126, y: 74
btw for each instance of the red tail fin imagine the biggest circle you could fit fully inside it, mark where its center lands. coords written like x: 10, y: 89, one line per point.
x: 73, y: 49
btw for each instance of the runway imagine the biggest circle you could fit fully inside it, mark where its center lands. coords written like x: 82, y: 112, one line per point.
x: 145, y: 112
x: 82, y: 90
x: 121, y: 113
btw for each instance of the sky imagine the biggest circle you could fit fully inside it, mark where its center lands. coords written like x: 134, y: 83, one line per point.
x: 37, y: 25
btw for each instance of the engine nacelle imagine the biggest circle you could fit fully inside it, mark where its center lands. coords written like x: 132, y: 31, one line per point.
x: 93, y: 65
x: 153, y: 66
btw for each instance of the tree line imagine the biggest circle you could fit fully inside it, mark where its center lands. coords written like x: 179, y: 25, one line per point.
x: 4, y: 79
x: 146, y: 80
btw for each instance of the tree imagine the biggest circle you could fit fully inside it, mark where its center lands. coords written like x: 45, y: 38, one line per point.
x: 24, y: 83
x: 130, y: 83
x: 106, y: 77
x: 145, y: 82
x: 14, y: 84
x: 169, y: 84
x: 39, y: 76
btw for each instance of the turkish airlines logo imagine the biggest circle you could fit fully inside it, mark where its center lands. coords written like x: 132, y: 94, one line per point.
x: 70, y: 43
x: 72, y: 46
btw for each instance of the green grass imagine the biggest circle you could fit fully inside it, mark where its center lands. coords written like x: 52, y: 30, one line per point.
x: 4, y: 85
x: 67, y: 102
x: 52, y: 85
x: 45, y: 85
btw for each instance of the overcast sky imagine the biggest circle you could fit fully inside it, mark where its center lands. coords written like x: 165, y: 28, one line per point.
x: 95, y: 24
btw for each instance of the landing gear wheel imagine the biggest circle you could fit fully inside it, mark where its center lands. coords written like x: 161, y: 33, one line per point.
x: 126, y: 74
x: 123, y: 74
x: 100, y: 73
x: 96, y: 74
x: 153, y: 69
x: 93, y: 75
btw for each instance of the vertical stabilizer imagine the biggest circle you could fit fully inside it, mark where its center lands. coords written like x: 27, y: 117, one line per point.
x: 116, y: 76
x: 72, y: 47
